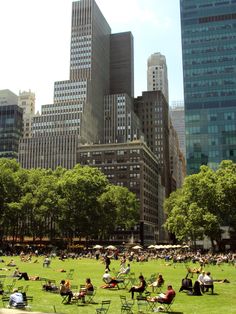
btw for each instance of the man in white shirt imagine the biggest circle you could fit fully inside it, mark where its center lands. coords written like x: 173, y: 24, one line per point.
x: 208, y: 282
x: 16, y: 299
x: 106, y: 277
x: 110, y: 281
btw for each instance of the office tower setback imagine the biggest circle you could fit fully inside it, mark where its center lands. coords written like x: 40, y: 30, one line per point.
x: 209, y: 67
x: 157, y: 76
x: 122, y: 64
x: 153, y: 112
x: 11, y: 124
x: 121, y: 124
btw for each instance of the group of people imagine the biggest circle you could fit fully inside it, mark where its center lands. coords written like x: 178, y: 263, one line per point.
x: 203, y: 283
x: 65, y: 290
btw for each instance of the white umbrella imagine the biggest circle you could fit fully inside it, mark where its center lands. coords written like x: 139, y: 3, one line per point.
x: 111, y: 247
x: 151, y: 246
x: 97, y: 246
x: 136, y: 247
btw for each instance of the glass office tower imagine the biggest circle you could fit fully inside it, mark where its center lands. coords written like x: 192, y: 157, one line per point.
x: 209, y: 67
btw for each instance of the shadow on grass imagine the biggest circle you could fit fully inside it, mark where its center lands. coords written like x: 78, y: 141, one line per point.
x: 86, y: 304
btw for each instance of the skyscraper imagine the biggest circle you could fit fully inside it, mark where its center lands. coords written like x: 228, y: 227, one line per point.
x: 178, y: 120
x: 77, y: 114
x: 153, y: 112
x: 209, y: 67
x: 26, y: 101
x: 101, y: 64
x: 157, y: 76
x: 122, y: 64
x: 11, y: 124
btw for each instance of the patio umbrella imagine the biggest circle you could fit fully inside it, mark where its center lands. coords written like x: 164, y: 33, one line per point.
x: 151, y: 246
x: 111, y: 247
x: 136, y: 247
x: 97, y: 246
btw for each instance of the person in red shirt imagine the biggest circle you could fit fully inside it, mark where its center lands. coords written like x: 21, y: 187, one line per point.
x: 168, y: 296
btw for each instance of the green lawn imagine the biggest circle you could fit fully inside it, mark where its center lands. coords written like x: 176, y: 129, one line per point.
x: 223, y: 301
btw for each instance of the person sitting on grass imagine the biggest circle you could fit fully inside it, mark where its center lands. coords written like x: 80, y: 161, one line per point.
x: 11, y: 263
x: 65, y: 290
x: 140, y: 288
x: 20, y: 275
x: 86, y: 289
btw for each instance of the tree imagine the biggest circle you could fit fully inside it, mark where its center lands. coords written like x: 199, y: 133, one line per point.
x: 205, y: 203
x: 226, y: 192
x: 11, y: 178
x: 81, y: 188
x: 120, y: 208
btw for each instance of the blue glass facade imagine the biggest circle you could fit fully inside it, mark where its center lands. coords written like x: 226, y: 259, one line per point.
x: 209, y: 66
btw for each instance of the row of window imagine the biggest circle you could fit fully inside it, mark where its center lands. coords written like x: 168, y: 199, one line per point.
x: 210, y: 129
x: 81, y: 61
x: 210, y: 71
x: 207, y: 60
x: 209, y: 38
x: 212, y: 94
x: 62, y: 108
x: 80, y: 56
x: 82, y: 66
x: 210, y: 83
x: 203, y: 49
x: 209, y: 28
x: 68, y: 85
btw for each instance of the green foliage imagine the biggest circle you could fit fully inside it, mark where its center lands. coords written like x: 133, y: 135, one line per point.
x: 206, y: 202
x: 120, y: 209
x: 66, y: 203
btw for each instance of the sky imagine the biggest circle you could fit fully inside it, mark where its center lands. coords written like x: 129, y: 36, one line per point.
x: 35, y: 42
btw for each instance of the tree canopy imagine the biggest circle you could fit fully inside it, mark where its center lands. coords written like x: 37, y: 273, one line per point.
x: 79, y: 202
x: 205, y: 203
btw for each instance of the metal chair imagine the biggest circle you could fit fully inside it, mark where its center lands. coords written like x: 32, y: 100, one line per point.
x: 126, y: 307
x: 142, y: 304
x: 167, y: 306
x: 70, y: 274
x: 104, y: 307
x: 89, y: 296
x: 9, y: 287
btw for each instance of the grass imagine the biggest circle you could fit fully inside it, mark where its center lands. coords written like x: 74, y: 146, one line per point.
x: 223, y: 301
